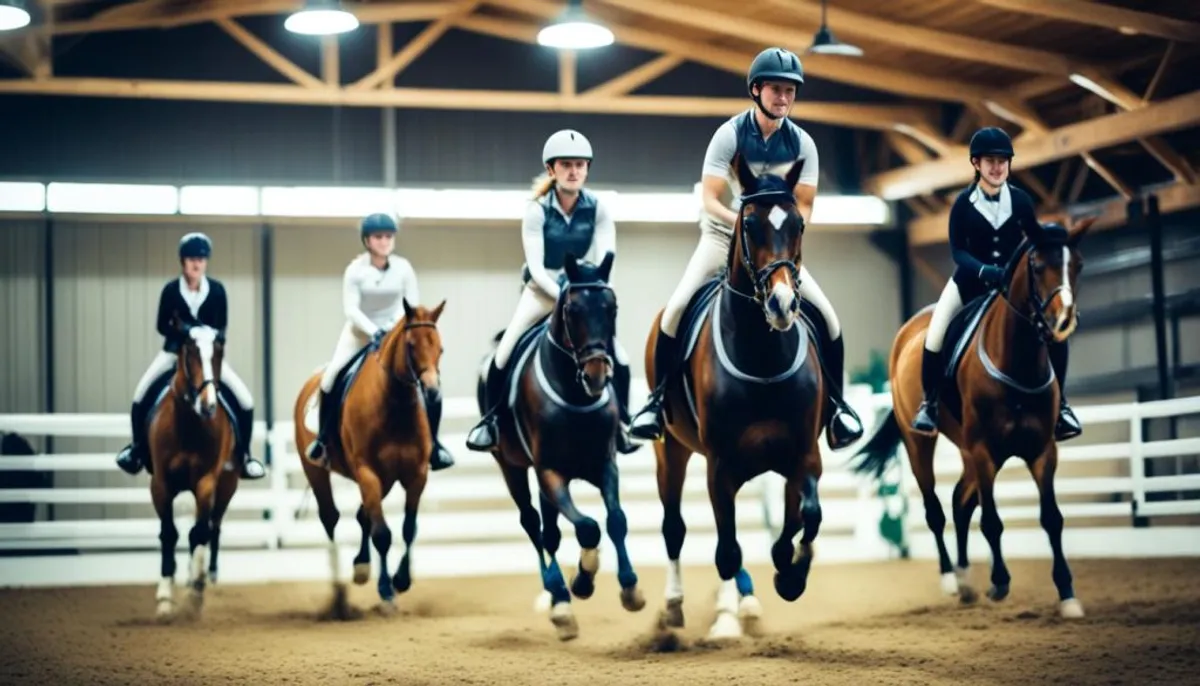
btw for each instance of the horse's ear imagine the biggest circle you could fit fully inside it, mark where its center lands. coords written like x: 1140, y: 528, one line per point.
x: 437, y: 311
x: 571, y: 266
x: 746, y: 178
x: 408, y: 311
x: 1079, y: 230
x: 606, y: 266
x: 793, y: 174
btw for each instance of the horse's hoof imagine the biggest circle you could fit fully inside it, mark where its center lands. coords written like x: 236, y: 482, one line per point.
x: 542, y: 602
x: 362, y: 573
x: 949, y: 583
x: 583, y: 586
x: 563, y: 619
x: 998, y: 592
x: 967, y: 595
x: 402, y: 581
x: 673, y: 614
x: 387, y: 608
x: 632, y: 599
x: 725, y: 627
x: 790, y: 586
x: 1071, y: 608
x: 164, y: 610
x: 195, y: 601
x: 750, y: 612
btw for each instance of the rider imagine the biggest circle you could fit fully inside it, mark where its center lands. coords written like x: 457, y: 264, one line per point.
x: 769, y: 142
x: 197, y: 300
x: 374, y: 287
x: 569, y: 219
x: 987, y: 224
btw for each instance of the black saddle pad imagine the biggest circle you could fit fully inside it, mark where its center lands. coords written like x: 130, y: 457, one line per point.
x: 697, y: 310
x: 161, y: 386
x: 341, y: 388
x: 958, y: 334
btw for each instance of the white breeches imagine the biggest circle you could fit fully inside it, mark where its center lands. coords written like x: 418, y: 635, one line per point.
x: 948, y: 305
x: 531, y: 307
x: 164, y: 361
x: 349, y: 342
x: 708, y: 259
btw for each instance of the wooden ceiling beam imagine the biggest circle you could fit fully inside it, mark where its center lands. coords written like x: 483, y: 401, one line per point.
x: 880, y: 117
x: 1074, y: 139
x: 268, y: 54
x: 567, y: 73
x: 1105, y: 16
x: 638, y: 76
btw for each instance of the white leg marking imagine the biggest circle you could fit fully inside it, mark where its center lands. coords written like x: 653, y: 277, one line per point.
x: 335, y: 564
x: 674, y: 589
x: 726, y: 624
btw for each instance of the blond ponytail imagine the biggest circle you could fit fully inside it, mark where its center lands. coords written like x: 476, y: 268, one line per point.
x: 542, y: 185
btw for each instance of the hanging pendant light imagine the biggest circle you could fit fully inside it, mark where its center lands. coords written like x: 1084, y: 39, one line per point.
x: 825, y: 43
x: 13, y: 15
x: 321, y: 18
x: 574, y: 30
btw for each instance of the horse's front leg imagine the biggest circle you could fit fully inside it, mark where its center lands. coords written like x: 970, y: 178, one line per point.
x: 722, y: 489
x: 587, y: 532
x: 200, y: 537
x: 168, y: 537
x: 618, y: 528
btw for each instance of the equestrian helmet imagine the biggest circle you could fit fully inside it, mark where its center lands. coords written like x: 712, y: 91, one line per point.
x: 195, y: 245
x: 566, y: 144
x: 991, y: 141
x: 774, y: 64
x: 377, y: 223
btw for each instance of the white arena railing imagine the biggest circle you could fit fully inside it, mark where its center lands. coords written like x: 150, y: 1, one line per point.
x: 468, y: 525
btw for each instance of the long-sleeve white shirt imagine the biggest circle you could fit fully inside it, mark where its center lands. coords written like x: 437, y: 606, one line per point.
x: 604, y: 239
x: 373, y: 298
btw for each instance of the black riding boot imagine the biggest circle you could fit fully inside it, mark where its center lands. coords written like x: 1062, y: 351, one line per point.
x: 133, y: 457
x: 440, y: 458
x: 926, y: 420
x: 1067, y: 426
x: 844, y: 425
x: 251, y: 468
x: 648, y: 423
x: 485, y: 435
x: 316, y: 449
x: 621, y: 382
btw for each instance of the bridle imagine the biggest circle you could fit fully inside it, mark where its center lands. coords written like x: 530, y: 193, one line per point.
x: 760, y: 277
x: 412, y: 378
x: 193, y: 392
x: 1037, y: 305
x: 599, y: 350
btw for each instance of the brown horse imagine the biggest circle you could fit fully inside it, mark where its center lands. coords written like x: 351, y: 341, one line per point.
x: 384, y: 439
x: 750, y: 397
x: 1001, y: 401
x: 191, y: 439
x: 563, y: 423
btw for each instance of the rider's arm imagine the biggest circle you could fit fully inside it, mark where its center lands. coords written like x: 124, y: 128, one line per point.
x: 535, y: 255
x: 1022, y: 205
x: 958, y: 236
x: 164, y: 311
x: 351, y: 298
x: 604, y: 240
x: 715, y: 173
x: 805, y: 190
x: 216, y: 293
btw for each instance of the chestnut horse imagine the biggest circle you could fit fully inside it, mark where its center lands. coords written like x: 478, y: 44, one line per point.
x: 384, y: 438
x: 191, y: 439
x: 1002, y: 400
x: 750, y: 396
x: 563, y: 422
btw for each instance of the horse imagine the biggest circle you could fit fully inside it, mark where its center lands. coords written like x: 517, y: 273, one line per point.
x: 562, y: 420
x: 382, y: 438
x: 1000, y: 400
x: 750, y: 396
x: 191, y: 439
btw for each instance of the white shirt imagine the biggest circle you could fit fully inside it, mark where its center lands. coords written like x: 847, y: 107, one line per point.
x: 196, y: 298
x: 372, y: 298
x: 604, y: 239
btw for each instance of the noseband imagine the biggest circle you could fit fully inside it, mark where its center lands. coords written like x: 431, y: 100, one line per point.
x: 599, y: 350
x: 1038, y: 306
x: 760, y: 277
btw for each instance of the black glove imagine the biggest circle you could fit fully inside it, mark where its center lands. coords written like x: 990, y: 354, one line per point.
x: 377, y: 338
x: 991, y: 275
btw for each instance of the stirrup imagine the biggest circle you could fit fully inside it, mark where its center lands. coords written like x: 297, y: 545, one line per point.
x: 252, y: 469
x: 925, y: 420
x: 648, y: 423
x: 484, y: 435
x: 844, y: 427
x: 128, y: 460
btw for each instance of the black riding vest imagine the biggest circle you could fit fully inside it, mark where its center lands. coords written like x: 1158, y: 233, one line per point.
x: 560, y: 235
x: 776, y: 154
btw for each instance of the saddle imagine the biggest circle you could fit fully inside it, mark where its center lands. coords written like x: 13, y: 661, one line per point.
x: 161, y: 386
x: 518, y: 359
x: 958, y: 334
x: 331, y: 411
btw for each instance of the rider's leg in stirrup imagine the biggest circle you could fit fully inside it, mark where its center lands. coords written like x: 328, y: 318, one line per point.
x: 1068, y: 425
x: 621, y: 381
x: 135, y: 456
x: 844, y: 426
x: 950, y: 302
x: 350, y: 341
x: 250, y: 468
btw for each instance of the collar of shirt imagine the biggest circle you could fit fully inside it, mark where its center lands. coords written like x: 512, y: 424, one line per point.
x: 194, y: 298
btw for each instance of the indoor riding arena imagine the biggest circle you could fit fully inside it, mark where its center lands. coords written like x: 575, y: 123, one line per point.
x: 268, y: 415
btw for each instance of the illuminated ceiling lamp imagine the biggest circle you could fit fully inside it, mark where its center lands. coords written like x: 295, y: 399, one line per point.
x: 825, y: 43
x: 13, y: 15
x: 321, y: 18
x: 574, y: 30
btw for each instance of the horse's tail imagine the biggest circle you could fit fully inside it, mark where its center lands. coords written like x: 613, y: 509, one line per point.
x: 880, y: 451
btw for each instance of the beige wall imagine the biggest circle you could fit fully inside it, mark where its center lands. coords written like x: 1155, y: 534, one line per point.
x: 22, y: 360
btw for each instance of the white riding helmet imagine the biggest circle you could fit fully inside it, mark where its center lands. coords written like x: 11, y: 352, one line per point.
x: 566, y: 144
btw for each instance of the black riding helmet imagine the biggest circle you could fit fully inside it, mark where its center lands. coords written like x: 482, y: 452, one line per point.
x: 991, y: 141
x: 773, y: 64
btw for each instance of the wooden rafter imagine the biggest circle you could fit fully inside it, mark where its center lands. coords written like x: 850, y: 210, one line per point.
x: 268, y: 54
x: 566, y: 73
x: 1106, y: 16
x: 638, y: 76
x: 1074, y: 139
x: 387, y: 71
x: 331, y: 63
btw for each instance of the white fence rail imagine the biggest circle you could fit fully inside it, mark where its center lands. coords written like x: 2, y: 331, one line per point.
x: 468, y: 525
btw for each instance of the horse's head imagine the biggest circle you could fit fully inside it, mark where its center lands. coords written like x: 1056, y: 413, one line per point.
x: 1049, y: 274
x: 769, y: 237
x: 199, y: 366
x: 585, y: 321
x: 423, y: 343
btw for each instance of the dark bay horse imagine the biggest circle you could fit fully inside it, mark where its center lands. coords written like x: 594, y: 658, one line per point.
x: 750, y: 397
x: 562, y: 420
x: 383, y: 438
x: 1002, y: 400
x: 190, y: 439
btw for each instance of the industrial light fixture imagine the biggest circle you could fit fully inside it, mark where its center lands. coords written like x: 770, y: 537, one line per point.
x: 574, y: 30
x: 13, y: 15
x: 825, y: 43
x: 321, y: 18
